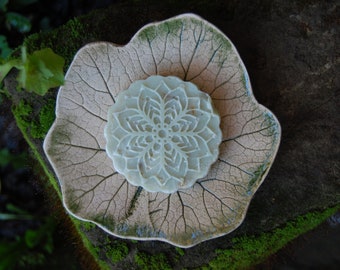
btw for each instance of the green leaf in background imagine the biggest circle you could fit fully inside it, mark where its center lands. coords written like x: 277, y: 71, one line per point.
x: 18, y: 21
x: 7, y: 66
x: 9, y: 253
x: 38, y: 72
x: 17, y: 161
x: 18, y: 4
x: 41, y: 71
x: 5, y: 50
x: 42, y: 237
x: 33, y: 238
x: 3, y: 5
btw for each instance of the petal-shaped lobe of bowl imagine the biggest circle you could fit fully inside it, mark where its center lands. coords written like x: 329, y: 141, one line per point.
x: 191, y: 49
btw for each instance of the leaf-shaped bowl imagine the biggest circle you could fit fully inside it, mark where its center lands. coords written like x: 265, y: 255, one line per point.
x: 191, y: 49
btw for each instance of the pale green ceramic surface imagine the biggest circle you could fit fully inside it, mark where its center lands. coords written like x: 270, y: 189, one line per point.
x: 163, y: 134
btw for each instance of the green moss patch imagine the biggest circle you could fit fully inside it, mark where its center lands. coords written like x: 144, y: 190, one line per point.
x: 151, y: 262
x: 64, y: 41
x: 117, y: 252
x: 40, y: 127
x: 251, y: 250
x: 23, y: 112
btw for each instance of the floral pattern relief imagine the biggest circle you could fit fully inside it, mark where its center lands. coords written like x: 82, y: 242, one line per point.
x: 163, y: 134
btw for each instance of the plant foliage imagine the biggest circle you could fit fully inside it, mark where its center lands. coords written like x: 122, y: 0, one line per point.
x: 38, y: 71
x: 29, y: 250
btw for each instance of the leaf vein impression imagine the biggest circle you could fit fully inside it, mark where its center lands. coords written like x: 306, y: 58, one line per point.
x: 102, y: 76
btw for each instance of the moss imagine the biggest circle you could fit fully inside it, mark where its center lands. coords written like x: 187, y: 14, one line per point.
x: 251, y: 250
x: 151, y: 262
x: 46, y: 117
x: 39, y: 127
x: 65, y: 40
x: 89, y: 247
x: 22, y: 112
x: 117, y: 251
x: 87, y: 226
x: 180, y: 251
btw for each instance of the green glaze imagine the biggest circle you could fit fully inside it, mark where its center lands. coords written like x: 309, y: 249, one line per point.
x: 169, y: 28
x: 172, y: 27
x: 259, y: 172
x: 148, y: 34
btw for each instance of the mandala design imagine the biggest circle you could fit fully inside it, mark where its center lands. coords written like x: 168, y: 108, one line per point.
x: 163, y: 134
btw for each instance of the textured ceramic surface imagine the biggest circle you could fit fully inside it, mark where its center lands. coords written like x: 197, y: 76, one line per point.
x: 193, y: 50
x: 162, y: 134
